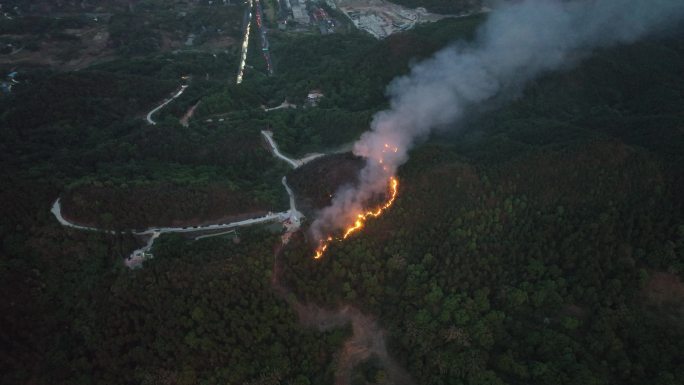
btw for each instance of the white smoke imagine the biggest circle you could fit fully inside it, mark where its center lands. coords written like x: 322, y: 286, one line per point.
x: 518, y: 42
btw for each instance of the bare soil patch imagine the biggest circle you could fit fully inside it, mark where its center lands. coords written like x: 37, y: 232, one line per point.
x: 664, y: 288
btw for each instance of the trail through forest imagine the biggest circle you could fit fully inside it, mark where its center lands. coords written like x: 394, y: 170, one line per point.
x: 367, y: 340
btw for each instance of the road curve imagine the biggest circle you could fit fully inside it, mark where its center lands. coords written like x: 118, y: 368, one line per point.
x: 295, y: 163
x: 291, y: 218
x: 167, y: 101
x: 56, y: 210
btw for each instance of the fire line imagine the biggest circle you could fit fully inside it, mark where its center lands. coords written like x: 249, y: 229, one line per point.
x: 360, y: 221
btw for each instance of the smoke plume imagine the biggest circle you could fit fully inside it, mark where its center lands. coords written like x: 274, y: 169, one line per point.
x: 519, y: 41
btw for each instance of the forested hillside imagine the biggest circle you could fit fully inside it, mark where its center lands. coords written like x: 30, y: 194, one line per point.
x: 540, y: 241
x: 535, y: 270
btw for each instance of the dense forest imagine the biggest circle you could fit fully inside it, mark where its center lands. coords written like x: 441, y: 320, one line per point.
x: 540, y: 241
x: 535, y: 270
x: 200, y: 312
x: 85, y: 131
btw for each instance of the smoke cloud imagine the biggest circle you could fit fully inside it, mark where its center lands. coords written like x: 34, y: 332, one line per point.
x: 519, y: 41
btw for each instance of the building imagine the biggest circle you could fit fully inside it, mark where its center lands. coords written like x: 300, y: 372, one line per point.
x: 314, y: 97
x: 325, y: 23
x: 299, y: 13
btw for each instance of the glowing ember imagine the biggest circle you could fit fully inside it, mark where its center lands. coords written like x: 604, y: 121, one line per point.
x: 322, y: 247
x: 360, y: 219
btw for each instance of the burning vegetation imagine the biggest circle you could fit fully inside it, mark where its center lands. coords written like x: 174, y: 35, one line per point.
x: 358, y: 220
x: 361, y: 219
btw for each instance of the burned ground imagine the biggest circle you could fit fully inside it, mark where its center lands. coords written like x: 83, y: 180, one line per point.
x: 330, y: 173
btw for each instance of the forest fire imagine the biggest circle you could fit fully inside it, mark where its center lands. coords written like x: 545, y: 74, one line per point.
x: 360, y: 219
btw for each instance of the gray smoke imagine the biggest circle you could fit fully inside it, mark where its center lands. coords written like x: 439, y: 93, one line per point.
x: 518, y: 42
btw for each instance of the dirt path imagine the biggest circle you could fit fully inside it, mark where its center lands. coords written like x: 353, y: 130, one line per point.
x: 185, y: 120
x: 367, y: 339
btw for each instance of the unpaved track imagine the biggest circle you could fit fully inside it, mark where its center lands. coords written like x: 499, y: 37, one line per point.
x: 367, y: 339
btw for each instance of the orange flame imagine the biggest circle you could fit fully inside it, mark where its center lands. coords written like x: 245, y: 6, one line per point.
x: 360, y: 220
x: 322, y: 247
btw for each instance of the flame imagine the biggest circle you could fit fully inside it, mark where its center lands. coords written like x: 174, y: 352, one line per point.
x: 361, y: 218
x: 322, y: 247
x: 387, y: 147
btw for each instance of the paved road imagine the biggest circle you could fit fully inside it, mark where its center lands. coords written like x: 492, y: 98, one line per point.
x: 290, y: 218
x: 167, y: 101
x: 247, y: 22
x: 295, y: 163
x: 284, y: 104
x: 263, y: 31
x: 57, y: 212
